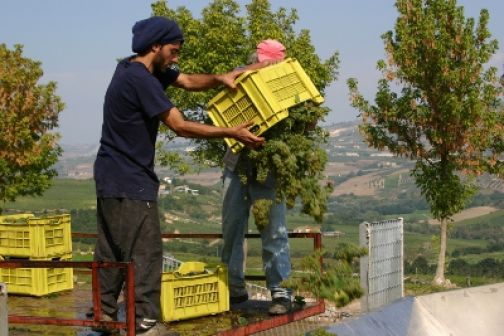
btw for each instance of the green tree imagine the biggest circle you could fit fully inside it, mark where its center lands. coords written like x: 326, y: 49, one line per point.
x: 334, y: 280
x: 29, y: 111
x: 223, y: 39
x: 447, y: 116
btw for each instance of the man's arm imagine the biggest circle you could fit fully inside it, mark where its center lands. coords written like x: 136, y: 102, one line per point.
x: 198, y: 82
x: 189, y: 129
x: 259, y: 65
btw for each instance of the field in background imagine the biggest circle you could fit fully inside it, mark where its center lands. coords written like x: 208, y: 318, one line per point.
x: 201, y: 214
x: 64, y: 194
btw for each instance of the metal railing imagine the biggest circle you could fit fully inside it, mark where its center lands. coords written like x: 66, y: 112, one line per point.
x: 129, y: 325
x: 275, y: 321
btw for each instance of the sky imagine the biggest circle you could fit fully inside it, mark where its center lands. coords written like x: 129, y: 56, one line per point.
x: 78, y: 43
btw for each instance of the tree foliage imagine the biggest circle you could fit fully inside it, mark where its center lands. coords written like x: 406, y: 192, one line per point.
x: 335, y: 283
x: 29, y: 111
x: 448, y: 115
x: 223, y: 39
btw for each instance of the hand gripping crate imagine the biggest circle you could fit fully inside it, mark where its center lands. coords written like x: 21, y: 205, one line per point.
x: 262, y: 96
x: 37, y: 281
x: 194, y: 291
x: 27, y: 236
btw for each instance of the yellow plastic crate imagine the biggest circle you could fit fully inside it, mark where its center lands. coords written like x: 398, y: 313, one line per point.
x: 194, y: 291
x: 27, y: 236
x: 37, y: 281
x: 262, y: 96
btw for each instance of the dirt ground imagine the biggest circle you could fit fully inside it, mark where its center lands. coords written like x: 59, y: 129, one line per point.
x: 340, y: 168
x: 359, y: 186
x: 469, y: 213
x: 213, y: 177
x: 206, y: 179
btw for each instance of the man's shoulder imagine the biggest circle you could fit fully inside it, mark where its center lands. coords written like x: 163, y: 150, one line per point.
x: 132, y: 69
x: 133, y: 74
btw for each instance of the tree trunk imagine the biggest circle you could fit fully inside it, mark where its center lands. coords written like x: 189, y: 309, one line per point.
x: 439, y: 279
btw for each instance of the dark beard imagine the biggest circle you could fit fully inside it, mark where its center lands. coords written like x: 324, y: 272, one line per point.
x: 157, y: 63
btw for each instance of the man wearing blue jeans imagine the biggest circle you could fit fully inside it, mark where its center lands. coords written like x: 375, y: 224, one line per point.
x: 238, y: 199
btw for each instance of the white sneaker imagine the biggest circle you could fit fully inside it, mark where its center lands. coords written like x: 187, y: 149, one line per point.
x: 280, y: 306
x: 158, y: 329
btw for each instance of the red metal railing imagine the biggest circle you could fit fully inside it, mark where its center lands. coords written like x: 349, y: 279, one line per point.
x: 275, y: 321
x: 129, y: 325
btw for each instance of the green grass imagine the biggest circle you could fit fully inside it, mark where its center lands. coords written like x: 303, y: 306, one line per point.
x: 476, y: 258
x: 416, y: 243
x: 414, y: 217
x: 391, y: 182
x: 64, y: 194
x: 419, y: 284
x: 80, y: 194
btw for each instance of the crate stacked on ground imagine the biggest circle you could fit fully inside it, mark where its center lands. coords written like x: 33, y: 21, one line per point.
x: 36, y: 238
x: 264, y: 97
x: 193, y: 290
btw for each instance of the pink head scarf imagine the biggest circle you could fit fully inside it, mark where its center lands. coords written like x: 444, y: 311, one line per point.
x: 270, y: 50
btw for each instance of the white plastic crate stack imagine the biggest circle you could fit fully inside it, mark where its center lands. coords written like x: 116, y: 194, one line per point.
x: 382, y: 270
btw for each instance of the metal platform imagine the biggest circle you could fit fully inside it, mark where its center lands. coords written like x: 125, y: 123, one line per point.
x: 67, y: 317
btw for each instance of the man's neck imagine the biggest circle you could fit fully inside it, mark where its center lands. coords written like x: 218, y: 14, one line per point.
x: 146, y: 60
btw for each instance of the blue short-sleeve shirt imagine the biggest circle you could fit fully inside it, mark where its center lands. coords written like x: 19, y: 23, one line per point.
x: 124, y: 165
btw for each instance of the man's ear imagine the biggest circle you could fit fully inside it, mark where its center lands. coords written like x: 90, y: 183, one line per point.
x: 156, y: 47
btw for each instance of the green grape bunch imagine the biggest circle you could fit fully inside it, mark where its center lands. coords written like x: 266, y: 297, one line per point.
x: 293, y: 155
x: 334, y: 280
x: 261, y: 209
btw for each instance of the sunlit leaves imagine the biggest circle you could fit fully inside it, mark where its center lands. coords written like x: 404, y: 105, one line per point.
x: 221, y: 40
x: 448, y: 111
x: 448, y: 115
x: 29, y: 111
x: 334, y: 282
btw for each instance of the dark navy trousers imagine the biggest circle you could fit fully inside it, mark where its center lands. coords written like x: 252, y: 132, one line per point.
x: 129, y: 230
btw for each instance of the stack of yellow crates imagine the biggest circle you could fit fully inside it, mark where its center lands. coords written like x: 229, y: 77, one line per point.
x: 36, y: 238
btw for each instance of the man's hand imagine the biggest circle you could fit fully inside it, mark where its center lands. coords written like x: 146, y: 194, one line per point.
x: 174, y: 119
x: 228, y: 79
x: 242, y: 134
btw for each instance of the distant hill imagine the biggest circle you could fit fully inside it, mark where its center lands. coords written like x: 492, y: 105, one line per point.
x: 353, y: 166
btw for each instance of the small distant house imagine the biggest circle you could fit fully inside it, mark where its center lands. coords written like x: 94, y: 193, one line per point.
x: 307, y: 229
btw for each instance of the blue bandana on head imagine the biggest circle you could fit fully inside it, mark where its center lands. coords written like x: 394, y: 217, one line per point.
x: 154, y: 30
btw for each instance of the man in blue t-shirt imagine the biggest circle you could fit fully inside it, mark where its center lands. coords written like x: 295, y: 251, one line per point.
x: 126, y: 184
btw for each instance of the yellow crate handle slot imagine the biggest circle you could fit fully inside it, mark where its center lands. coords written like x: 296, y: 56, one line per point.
x: 254, y: 129
x: 191, y: 267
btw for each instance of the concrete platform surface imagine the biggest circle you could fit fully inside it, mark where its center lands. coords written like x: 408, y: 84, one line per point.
x: 461, y: 312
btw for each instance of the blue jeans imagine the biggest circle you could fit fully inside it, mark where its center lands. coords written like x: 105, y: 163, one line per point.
x: 238, y: 199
